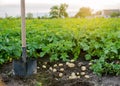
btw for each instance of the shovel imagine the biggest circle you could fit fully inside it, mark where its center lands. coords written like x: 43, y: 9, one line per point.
x: 24, y: 67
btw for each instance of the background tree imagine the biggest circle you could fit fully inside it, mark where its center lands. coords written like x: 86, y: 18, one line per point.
x: 84, y: 12
x: 115, y: 14
x: 59, y: 11
x: 62, y: 9
x: 45, y: 17
x: 29, y: 15
x: 54, y: 13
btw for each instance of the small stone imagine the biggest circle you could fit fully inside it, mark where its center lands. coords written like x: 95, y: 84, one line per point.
x: 82, y: 73
x: 60, y: 64
x: 71, y: 65
x: 90, y: 64
x: 87, y: 76
x: 50, y: 68
x: 83, y: 68
x: 72, y: 60
x: 55, y: 65
x: 43, y: 66
x: 54, y: 70
x: 61, y: 69
x: 60, y: 74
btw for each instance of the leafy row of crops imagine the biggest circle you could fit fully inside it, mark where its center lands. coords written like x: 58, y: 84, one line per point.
x: 60, y: 38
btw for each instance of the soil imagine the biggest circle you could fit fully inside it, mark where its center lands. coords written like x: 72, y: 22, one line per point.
x: 46, y: 77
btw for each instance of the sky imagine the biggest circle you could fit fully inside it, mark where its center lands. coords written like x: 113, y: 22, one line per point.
x: 42, y: 7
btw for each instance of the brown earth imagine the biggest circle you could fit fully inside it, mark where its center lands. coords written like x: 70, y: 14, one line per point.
x: 46, y: 77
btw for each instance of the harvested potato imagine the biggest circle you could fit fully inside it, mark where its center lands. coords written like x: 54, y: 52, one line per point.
x: 55, y: 65
x: 54, y: 70
x: 78, y: 73
x: 38, y: 67
x: 62, y: 69
x: 82, y: 73
x: 72, y: 60
x: 90, y: 64
x: 78, y: 76
x: 87, y: 76
x: 60, y: 74
x: 43, y: 66
x: 60, y: 64
x: 50, y: 68
x: 83, y: 68
x: 70, y: 65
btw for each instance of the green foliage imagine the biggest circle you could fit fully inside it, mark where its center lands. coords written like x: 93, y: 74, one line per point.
x: 60, y: 38
x: 9, y: 45
x: 84, y: 12
x: 103, y: 67
x: 115, y: 14
x: 59, y: 11
x: 63, y: 8
x: 54, y: 12
x: 29, y: 15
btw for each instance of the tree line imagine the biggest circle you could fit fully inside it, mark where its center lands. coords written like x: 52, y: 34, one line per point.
x: 60, y: 11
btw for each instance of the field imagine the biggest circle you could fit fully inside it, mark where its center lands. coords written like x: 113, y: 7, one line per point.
x: 94, y: 40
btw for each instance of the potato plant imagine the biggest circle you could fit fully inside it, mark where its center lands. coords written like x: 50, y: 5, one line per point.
x: 59, y: 39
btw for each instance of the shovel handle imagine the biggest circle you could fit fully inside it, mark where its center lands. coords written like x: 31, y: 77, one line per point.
x: 23, y: 31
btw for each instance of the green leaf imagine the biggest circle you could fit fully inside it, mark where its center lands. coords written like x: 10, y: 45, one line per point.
x: 54, y: 57
x: 114, y: 51
x: 64, y: 56
x: 42, y: 54
x: 88, y: 57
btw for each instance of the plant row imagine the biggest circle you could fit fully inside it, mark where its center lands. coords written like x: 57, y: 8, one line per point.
x: 59, y: 39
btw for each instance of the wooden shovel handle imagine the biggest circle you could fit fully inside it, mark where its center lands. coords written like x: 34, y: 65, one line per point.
x: 23, y: 30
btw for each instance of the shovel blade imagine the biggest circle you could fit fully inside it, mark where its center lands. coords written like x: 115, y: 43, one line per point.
x: 24, y: 69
